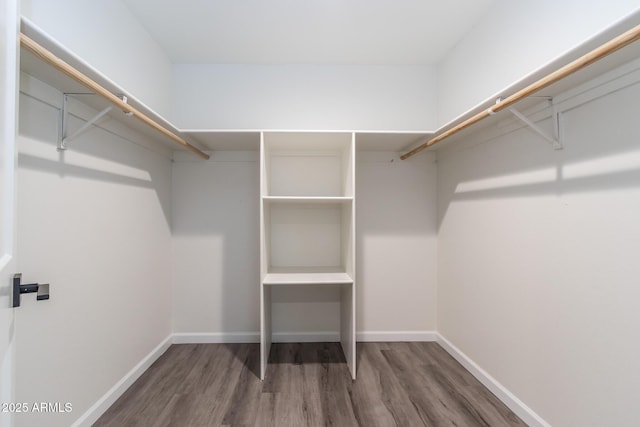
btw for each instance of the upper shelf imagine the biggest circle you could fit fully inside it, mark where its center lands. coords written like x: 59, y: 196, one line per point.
x: 215, y: 139
x: 611, y: 49
x: 200, y: 139
x: 44, y: 59
x: 249, y: 140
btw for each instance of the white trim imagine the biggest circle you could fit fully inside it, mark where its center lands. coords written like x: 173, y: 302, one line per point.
x: 397, y: 336
x: 516, y: 405
x: 215, y: 337
x: 109, y: 398
x: 322, y: 336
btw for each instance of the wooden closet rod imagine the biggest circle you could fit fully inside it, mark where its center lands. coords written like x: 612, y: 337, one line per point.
x: 591, y: 57
x: 67, y: 69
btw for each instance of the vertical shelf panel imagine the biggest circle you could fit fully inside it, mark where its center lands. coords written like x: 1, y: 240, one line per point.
x: 265, y: 329
x: 265, y: 292
x: 348, y: 293
x: 348, y: 321
x: 348, y: 326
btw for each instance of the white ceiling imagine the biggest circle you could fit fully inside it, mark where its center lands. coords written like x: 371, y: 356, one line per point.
x: 381, y: 32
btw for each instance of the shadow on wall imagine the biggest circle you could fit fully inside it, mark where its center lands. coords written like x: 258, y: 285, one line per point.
x: 538, y: 271
x: 94, y: 222
x: 95, y: 155
x: 601, y: 153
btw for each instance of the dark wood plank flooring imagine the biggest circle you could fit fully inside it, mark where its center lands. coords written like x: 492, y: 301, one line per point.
x: 399, y: 384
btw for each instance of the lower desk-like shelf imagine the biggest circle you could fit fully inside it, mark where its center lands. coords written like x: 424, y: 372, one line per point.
x: 334, y: 277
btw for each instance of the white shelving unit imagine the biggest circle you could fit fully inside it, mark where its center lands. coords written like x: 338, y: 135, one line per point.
x: 307, y: 223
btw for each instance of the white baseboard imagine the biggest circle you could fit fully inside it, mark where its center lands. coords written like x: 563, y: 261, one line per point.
x: 396, y: 336
x: 516, y: 405
x: 101, y: 406
x: 252, y: 337
x: 322, y: 336
x: 215, y: 337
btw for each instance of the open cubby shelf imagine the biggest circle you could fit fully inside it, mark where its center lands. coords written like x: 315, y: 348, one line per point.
x: 308, y: 223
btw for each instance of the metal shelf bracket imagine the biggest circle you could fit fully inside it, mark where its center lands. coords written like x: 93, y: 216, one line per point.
x: 64, y: 139
x: 63, y: 142
x: 555, y: 139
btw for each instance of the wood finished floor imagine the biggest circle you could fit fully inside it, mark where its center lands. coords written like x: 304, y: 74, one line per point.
x: 399, y: 384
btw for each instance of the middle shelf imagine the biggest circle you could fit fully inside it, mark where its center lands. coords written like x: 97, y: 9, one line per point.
x: 308, y: 241
x: 306, y: 199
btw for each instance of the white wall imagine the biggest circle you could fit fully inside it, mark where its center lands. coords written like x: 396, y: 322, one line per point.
x: 216, y: 236
x: 215, y: 213
x: 514, y: 39
x: 305, y: 97
x: 537, y: 260
x: 396, y: 233
x: 94, y: 222
x: 106, y: 35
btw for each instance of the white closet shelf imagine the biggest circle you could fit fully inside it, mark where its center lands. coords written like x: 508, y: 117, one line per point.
x: 249, y: 139
x: 604, y: 52
x: 46, y: 60
x: 306, y: 276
